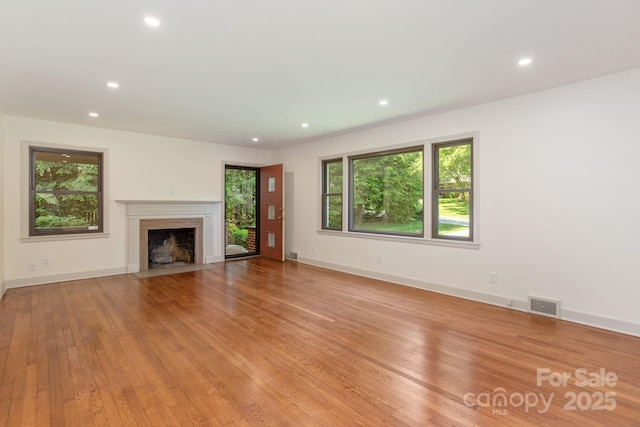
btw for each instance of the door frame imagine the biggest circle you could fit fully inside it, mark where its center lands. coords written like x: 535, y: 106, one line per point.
x: 258, y: 167
x: 236, y: 165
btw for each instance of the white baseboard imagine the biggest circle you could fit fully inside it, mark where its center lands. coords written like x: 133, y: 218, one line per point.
x: 428, y: 286
x: 602, y: 322
x: 589, y: 319
x: 41, y: 280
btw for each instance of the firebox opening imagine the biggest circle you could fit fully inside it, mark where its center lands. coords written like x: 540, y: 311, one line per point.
x: 171, y: 247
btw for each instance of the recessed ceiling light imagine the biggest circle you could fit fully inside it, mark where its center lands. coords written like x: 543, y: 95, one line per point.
x: 255, y: 139
x: 92, y: 114
x: 151, y: 21
x: 305, y: 125
x: 525, y: 61
x: 383, y: 102
x: 113, y: 85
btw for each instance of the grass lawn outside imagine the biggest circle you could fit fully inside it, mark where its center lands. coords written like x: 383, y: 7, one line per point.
x: 452, y: 228
x: 413, y: 227
x: 448, y: 208
x: 454, y: 208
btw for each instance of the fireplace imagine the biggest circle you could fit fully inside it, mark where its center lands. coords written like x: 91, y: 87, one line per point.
x: 161, y: 214
x: 170, y: 242
x: 171, y: 247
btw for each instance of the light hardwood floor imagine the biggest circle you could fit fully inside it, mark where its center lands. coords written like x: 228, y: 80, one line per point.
x: 257, y: 342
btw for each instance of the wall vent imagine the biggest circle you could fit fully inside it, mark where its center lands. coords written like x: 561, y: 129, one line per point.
x: 544, y: 306
x: 293, y: 256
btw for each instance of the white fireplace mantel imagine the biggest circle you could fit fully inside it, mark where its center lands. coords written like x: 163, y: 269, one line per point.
x: 209, y: 211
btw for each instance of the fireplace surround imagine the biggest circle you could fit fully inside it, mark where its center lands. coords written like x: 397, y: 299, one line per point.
x: 142, y: 215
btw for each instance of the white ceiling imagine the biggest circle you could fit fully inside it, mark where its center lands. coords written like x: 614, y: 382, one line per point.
x: 228, y: 71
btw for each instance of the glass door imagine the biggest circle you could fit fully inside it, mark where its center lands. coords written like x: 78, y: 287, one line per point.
x: 241, y: 219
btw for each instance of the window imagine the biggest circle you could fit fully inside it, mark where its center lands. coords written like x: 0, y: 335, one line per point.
x: 332, y: 194
x: 453, y: 190
x: 386, y: 192
x: 65, y: 191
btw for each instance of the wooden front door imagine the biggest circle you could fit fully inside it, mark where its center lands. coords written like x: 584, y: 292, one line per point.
x: 272, y: 212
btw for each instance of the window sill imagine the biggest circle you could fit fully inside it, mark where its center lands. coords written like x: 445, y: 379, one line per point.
x: 401, y: 239
x: 61, y: 237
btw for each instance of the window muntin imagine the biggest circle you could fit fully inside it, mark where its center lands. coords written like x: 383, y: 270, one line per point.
x: 453, y: 190
x: 66, y: 195
x: 332, y: 194
x: 386, y: 192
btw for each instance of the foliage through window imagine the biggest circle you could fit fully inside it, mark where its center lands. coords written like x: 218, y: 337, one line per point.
x: 453, y: 190
x: 332, y: 194
x: 241, y: 199
x: 65, y: 192
x: 387, y: 192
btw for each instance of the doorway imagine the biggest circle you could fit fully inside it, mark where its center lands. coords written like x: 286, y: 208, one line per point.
x: 241, y: 184
x: 254, y: 211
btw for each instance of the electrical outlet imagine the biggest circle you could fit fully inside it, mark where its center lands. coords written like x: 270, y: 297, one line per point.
x: 313, y: 249
x: 46, y: 262
x: 379, y: 259
x: 31, y: 266
x: 493, y: 277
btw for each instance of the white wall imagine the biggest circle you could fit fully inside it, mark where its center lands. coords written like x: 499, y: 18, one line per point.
x: 140, y: 167
x: 2, y: 214
x: 557, y: 174
x: 557, y: 203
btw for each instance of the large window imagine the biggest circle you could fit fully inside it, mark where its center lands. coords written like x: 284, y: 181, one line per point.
x: 386, y: 192
x: 66, y: 194
x: 332, y: 194
x: 453, y: 190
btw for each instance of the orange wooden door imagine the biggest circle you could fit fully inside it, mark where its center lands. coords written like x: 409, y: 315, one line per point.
x: 272, y: 212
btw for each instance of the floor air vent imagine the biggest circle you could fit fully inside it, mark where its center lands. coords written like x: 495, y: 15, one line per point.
x: 293, y: 256
x: 544, y: 306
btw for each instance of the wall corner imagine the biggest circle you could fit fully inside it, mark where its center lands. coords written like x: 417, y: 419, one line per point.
x: 3, y: 286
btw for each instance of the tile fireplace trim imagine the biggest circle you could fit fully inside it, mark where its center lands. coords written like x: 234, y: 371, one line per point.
x: 208, y: 211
